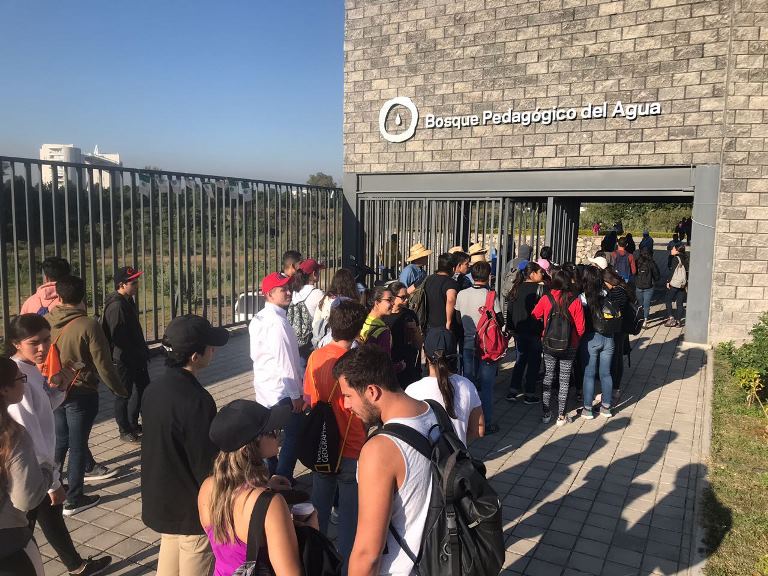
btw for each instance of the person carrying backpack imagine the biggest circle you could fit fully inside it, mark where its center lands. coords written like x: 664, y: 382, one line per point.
x: 647, y: 275
x: 621, y: 295
x: 477, y: 369
x: 563, y: 319
x: 45, y: 297
x: 677, y: 285
x: 399, y: 531
x: 304, y: 301
x: 624, y: 262
x: 413, y: 274
x: 321, y: 387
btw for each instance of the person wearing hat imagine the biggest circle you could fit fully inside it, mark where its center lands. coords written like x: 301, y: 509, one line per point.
x: 455, y: 393
x: 306, y: 294
x: 120, y: 321
x: 599, y: 261
x: 176, y: 452
x: 477, y: 253
x: 414, y: 274
x: 277, y: 366
x: 245, y: 432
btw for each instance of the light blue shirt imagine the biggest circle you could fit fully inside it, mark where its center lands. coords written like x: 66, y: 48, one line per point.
x: 412, y: 274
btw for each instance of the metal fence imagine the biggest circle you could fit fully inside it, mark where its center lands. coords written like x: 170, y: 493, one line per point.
x: 390, y: 226
x: 203, y: 242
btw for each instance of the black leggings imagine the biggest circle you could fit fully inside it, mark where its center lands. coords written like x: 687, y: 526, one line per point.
x: 55, y: 530
x: 677, y: 295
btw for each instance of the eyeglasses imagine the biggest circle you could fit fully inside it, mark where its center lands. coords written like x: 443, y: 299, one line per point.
x: 403, y: 298
x: 386, y: 300
x: 22, y: 378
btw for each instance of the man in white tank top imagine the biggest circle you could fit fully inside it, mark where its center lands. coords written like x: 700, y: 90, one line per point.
x: 394, y: 480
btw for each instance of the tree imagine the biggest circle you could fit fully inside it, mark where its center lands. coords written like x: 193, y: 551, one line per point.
x: 321, y: 179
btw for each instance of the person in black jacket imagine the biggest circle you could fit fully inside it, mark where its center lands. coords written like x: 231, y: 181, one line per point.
x: 525, y: 293
x: 620, y: 294
x: 647, y: 275
x: 129, y: 350
x: 176, y: 453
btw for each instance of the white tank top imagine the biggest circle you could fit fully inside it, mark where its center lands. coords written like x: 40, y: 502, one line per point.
x: 409, y: 512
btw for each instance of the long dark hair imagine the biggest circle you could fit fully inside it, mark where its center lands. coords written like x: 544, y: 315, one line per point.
x: 9, y: 429
x: 22, y: 327
x: 529, y: 269
x: 592, y: 286
x: 444, y: 367
x: 612, y: 277
x: 563, y: 281
x: 342, y: 284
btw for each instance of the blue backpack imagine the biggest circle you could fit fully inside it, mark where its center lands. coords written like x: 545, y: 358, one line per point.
x: 622, y: 266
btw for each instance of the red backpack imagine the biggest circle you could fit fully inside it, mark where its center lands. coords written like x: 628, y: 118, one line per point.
x: 490, y: 341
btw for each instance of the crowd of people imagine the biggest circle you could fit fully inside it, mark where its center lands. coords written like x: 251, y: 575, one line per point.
x: 365, y: 357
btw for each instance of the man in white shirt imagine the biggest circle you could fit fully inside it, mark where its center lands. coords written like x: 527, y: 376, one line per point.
x: 277, y: 376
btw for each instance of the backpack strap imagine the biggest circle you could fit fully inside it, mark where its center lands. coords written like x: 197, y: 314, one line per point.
x: 256, y: 539
x: 489, y: 301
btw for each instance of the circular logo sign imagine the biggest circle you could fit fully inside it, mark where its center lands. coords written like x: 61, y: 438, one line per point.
x: 389, y: 105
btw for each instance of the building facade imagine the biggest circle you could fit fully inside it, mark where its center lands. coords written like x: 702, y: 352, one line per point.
x: 71, y: 153
x: 575, y: 99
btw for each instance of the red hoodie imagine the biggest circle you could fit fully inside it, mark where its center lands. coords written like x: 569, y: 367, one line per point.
x: 544, y: 307
x: 45, y: 298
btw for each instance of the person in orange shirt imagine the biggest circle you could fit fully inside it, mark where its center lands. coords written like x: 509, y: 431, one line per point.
x: 346, y: 321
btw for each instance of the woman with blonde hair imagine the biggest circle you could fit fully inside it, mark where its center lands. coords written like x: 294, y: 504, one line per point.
x: 236, y: 501
x: 23, y: 482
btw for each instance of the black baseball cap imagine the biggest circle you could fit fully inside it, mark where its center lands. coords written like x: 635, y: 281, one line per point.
x: 191, y: 332
x: 440, y: 340
x: 240, y: 421
x: 126, y: 274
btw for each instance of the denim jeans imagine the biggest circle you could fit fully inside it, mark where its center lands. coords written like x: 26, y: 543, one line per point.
x: 323, y: 492
x: 74, y: 420
x: 644, y: 296
x: 597, y: 354
x: 483, y: 376
x: 284, y: 463
x: 127, y: 410
x: 527, y: 364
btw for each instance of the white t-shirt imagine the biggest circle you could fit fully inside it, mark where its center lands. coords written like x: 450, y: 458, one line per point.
x: 310, y: 295
x: 465, y: 399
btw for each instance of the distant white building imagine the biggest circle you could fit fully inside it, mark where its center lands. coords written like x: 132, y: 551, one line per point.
x: 71, y: 153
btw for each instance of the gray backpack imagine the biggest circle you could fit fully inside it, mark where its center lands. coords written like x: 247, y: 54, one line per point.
x: 301, y: 320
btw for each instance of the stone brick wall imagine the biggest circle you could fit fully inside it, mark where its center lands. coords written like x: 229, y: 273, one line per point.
x: 704, y: 61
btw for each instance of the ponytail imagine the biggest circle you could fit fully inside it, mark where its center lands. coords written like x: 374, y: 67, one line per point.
x: 443, y: 369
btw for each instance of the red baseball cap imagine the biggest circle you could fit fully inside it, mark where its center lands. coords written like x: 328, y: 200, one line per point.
x: 274, y: 280
x: 126, y: 274
x: 310, y: 265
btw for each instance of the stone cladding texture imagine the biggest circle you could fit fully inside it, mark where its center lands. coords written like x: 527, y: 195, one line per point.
x: 704, y: 61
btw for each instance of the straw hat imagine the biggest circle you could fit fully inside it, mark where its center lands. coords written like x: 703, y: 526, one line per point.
x: 456, y: 249
x: 418, y: 251
x: 477, y: 248
x: 477, y: 258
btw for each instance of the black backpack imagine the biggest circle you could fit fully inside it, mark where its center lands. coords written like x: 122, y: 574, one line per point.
x: 607, y: 321
x: 321, y: 446
x: 557, y: 334
x: 318, y: 554
x: 633, y: 318
x: 463, y: 533
x: 418, y: 303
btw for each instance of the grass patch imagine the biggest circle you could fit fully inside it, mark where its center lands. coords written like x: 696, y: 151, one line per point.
x: 736, y: 506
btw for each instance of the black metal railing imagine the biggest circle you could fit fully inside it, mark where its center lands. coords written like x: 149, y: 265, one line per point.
x: 204, y: 242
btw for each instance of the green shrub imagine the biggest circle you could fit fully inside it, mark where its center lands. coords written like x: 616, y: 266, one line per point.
x: 749, y: 363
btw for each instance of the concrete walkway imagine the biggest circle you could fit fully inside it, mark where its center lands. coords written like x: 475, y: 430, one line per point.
x: 604, y: 497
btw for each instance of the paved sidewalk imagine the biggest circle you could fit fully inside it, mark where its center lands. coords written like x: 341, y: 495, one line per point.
x: 604, y: 497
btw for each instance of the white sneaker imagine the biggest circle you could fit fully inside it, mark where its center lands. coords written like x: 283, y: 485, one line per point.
x: 562, y: 421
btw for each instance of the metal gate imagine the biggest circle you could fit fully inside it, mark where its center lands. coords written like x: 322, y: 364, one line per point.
x: 390, y: 226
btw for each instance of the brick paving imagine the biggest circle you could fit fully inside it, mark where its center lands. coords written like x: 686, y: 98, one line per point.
x: 603, y: 497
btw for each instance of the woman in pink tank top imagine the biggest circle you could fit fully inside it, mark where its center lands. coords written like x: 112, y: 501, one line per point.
x: 245, y: 432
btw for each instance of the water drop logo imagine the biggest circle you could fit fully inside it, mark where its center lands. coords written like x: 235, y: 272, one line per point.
x: 389, y: 105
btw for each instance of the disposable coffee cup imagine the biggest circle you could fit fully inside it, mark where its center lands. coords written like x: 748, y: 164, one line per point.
x: 302, y: 511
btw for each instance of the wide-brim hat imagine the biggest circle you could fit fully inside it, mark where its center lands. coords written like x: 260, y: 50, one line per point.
x: 480, y: 257
x: 477, y: 248
x: 418, y: 251
x: 456, y: 249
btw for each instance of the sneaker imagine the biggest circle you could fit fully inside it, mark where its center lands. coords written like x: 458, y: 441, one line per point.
x: 562, y: 420
x: 82, y: 503
x: 670, y: 322
x: 334, y: 515
x: 587, y: 413
x: 93, y: 566
x: 546, y: 417
x: 531, y: 399
x: 131, y: 438
x: 605, y: 411
x: 512, y: 395
x: 100, y: 472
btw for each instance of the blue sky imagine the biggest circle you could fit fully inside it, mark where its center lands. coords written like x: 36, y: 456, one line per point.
x: 239, y: 88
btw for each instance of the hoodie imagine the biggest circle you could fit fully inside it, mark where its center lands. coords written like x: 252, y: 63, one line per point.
x: 123, y: 331
x: 84, y: 341
x: 42, y: 301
